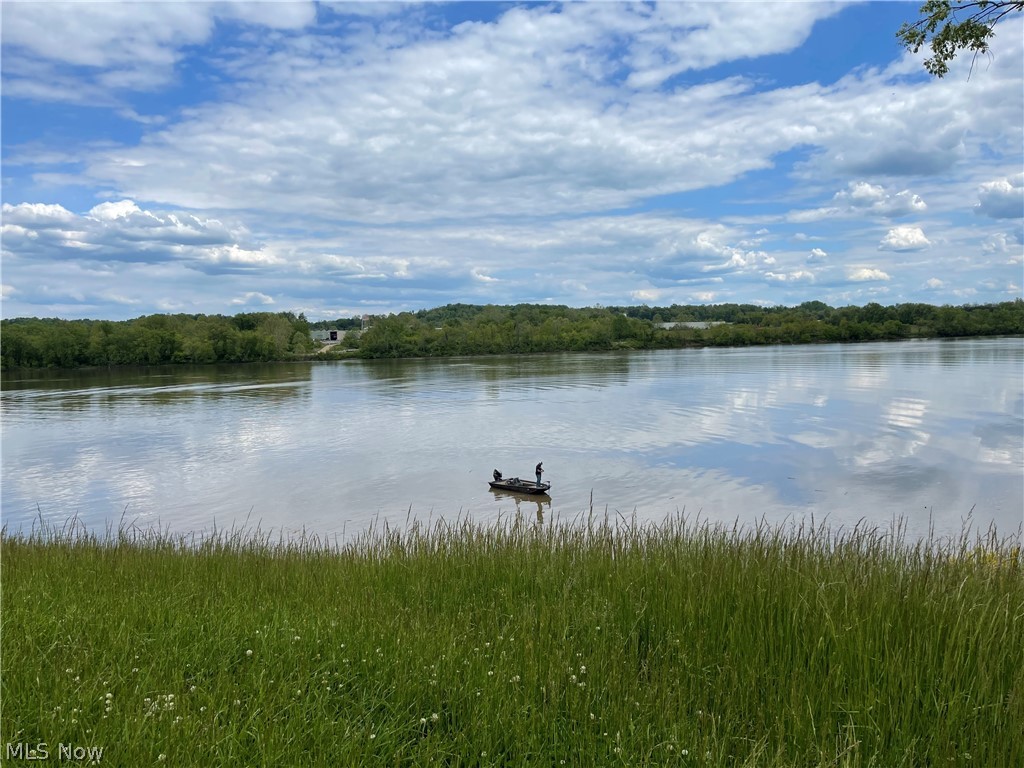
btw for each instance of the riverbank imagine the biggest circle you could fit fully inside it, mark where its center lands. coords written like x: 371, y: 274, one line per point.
x: 459, y: 330
x: 517, y: 644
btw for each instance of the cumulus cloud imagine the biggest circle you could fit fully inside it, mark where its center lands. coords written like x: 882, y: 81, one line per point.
x: 859, y: 198
x: 965, y: 293
x: 486, y: 159
x: 646, y: 295
x: 1011, y: 243
x: 904, y: 239
x: 444, y: 126
x: 866, y: 274
x: 252, y: 297
x: 121, y: 231
x: 795, y: 275
x: 736, y: 259
x: 1002, y: 199
x: 934, y: 283
x: 872, y: 198
x: 113, y: 211
x: 37, y: 215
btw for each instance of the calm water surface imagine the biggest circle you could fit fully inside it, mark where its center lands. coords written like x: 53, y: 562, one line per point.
x: 926, y: 431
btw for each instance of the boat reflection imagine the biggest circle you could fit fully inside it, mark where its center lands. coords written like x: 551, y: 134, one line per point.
x: 525, y: 502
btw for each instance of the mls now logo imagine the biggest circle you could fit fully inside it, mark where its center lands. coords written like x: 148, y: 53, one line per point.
x: 23, y: 750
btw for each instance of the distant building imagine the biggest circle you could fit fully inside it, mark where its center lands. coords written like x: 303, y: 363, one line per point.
x: 333, y: 336
x: 325, y: 337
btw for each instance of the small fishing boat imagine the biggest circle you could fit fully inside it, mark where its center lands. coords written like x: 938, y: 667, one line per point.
x: 515, y: 485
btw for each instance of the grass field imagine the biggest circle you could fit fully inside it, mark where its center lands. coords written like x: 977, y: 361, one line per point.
x: 515, y: 644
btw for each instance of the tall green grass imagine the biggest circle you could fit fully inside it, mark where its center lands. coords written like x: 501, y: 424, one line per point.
x: 517, y: 644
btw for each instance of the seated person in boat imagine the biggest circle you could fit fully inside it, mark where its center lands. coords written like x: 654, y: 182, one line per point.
x: 497, y: 476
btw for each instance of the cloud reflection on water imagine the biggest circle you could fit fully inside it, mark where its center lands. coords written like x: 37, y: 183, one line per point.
x: 871, y: 431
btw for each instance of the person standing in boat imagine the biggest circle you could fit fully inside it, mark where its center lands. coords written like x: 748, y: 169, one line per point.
x: 540, y: 471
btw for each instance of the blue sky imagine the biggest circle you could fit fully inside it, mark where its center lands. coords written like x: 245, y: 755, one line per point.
x: 346, y: 158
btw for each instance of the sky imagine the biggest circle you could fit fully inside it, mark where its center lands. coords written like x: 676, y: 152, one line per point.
x: 340, y: 159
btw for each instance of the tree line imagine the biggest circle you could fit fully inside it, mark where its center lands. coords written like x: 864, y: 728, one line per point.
x: 469, y: 329
x: 465, y: 329
x: 153, y: 339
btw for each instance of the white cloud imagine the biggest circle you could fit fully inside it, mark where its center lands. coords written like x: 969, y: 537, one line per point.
x: 116, y: 298
x: 708, y: 243
x: 647, y: 295
x: 252, y: 297
x: 860, y: 198
x: 866, y: 274
x: 112, y: 211
x: 499, y: 160
x: 934, y: 283
x: 1002, y: 199
x: 872, y: 198
x: 965, y: 293
x: 686, y: 36
x: 471, y: 125
x: 904, y: 239
x: 235, y: 255
x: 483, y: 278
x: 37, y: 215
x: 796, y: 275
x: 115, y: 45
x: 1005, y: 242
x: 121, y: 231
x: 812, y: 215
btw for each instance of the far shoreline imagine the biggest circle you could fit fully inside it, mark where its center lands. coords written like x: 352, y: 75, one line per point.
x: 354, y: 355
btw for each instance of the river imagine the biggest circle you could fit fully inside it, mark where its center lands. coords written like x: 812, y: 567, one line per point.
x: 927, y: 432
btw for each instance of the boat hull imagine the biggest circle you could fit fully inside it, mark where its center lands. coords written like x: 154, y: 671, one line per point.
x: 520, y: 486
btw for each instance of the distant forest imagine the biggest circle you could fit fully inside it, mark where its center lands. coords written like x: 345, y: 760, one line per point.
x: 153, y: 340
x: 467, y: 329
x: 464, y: 329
